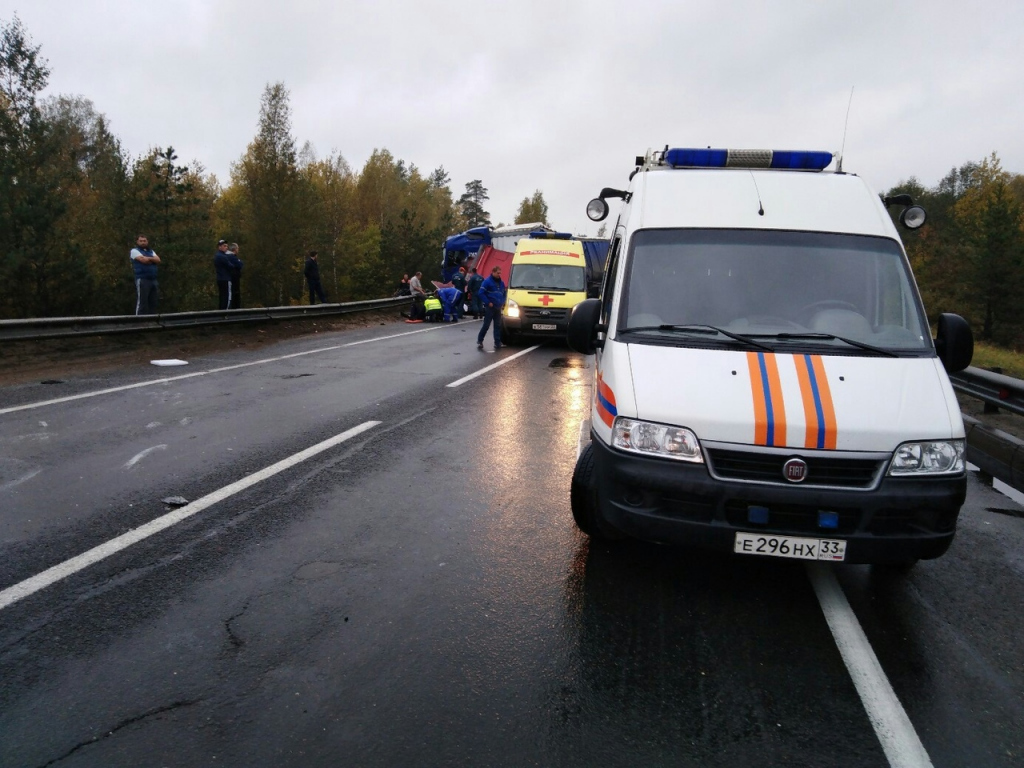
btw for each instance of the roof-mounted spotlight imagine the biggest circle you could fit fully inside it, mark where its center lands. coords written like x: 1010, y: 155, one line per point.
x: 912, y: 216
x: 597, y: 209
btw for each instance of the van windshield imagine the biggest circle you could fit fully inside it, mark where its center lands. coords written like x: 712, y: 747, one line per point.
x: 782, y: 290
x: 548, y: 277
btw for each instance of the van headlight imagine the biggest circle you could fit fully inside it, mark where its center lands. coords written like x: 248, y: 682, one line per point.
x: 650, y: 439
x: 511, y: 309
x: 928, y: 457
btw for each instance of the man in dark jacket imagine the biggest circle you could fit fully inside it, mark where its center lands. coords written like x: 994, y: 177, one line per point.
x: 459, y: 283
x: 472, y: 289
x: 492, y: 296
x: 144, y: 261
x: 312, y: 273
x: 225, y: 263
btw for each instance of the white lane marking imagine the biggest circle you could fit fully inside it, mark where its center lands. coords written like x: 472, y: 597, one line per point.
x: 61, y: 571
x: 482, y: 371
x: 223, y: 368
x: 396, y: 335
x: 143, y: 454
x: 19, y: 480
x: 896, y: 733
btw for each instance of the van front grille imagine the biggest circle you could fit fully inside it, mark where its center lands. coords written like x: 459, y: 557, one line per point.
x: 753, y: 466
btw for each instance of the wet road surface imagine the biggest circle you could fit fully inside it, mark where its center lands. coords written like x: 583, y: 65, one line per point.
x: 418, y: 594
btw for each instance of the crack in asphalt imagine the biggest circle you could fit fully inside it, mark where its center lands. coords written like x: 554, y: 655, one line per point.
x: 124, y: 724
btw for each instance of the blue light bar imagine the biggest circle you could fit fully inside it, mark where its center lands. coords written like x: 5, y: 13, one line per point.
x: 777, y: 159
x: 540, y: 234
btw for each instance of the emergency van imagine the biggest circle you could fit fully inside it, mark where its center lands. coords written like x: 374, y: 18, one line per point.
x: 765, y: 380
x: 548, y: 278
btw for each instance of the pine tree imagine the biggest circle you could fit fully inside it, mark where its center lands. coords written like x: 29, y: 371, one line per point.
x: 533, y: 209
x: 471, y: 205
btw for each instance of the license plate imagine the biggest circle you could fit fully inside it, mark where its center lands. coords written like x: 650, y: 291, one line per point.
x: 544, y: 327
x: 833, y: 550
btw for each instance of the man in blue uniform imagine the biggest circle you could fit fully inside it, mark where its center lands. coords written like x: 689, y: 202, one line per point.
x: 492, y: 296
x: 144, y: 262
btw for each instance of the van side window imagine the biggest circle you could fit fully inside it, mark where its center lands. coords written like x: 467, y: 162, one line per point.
x: 608, y: 288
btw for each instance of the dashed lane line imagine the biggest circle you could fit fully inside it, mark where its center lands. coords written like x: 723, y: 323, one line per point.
x: 900, y: 742
x: 222, y: 369
x: 498, y: 364
x: 58, y: 572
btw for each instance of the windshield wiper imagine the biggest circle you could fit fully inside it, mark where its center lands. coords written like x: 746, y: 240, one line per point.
x: 830, y: 336
x: 700, y: 328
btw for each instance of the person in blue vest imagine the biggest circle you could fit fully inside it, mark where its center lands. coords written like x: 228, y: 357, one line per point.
x: 492, y: 296
x: 225, y: 263
x: 450, y: 298
x: 144, y: 261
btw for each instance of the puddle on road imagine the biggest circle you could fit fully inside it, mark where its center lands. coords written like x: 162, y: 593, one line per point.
x: 568, y: 362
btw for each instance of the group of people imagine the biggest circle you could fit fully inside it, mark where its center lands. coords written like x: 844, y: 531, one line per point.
x: 226, y: 265
x: 484, y: 297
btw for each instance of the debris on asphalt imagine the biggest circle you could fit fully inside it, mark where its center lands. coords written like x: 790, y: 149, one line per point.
x: 175, y: 501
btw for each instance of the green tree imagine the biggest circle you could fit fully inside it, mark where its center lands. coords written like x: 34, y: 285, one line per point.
x: 533, y: 209
x: 471, y: 205
x: 35, y: 170
x: 273, y: 211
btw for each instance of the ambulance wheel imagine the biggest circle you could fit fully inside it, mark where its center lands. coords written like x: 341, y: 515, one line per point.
x: 583, y: 499
x: 509, y: 339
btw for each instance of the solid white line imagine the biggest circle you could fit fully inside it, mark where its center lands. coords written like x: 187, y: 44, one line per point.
x: 63, y: 570
x: 482, y: 371
x: 143, y: 454
x: 223, y: 368
x: 899, y: 740
x: 396, y: 335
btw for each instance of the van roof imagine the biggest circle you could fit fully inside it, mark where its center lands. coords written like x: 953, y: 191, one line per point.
x: 732, y: 198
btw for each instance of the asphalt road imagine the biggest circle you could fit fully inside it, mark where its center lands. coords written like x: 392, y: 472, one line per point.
x: 416, y: 594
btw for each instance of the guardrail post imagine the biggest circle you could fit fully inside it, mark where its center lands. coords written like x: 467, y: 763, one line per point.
x: 992, y: 407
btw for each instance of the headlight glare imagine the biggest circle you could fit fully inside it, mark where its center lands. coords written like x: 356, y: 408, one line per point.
x: 652, y: 439
x: 928, y: 457
x: 511, y: 309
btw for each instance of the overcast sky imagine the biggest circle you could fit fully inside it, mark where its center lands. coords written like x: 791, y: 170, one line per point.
x: 555, y: 95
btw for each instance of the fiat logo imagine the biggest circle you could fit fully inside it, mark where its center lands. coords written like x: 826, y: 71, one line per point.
x: 795, y: 470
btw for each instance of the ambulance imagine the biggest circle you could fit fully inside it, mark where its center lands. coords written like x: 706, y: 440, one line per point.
x: 765, y: 379
x: 548, y: 278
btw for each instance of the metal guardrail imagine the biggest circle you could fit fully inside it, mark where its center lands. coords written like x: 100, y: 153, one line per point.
x: 61, y: 327
x: 994, y: 388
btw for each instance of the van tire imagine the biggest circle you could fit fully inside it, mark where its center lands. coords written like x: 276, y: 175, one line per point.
x: 583, y: 499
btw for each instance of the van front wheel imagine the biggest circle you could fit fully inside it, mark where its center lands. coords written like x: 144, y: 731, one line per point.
x: 583, y: 499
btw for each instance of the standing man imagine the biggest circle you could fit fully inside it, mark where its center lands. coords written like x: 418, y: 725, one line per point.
x: 459, y: 283
x: 312, y: 273
x: 225, y: 263
x: 236, y: 277
x: 418, y: 297
x: 144, y: 262
x: 492, y: 296
x: 473, y: 290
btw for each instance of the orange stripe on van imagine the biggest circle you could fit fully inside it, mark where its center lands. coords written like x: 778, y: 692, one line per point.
x: 778, y: 406
x: 760, y: 407
x: 828, y: 409
x: 807, y: 397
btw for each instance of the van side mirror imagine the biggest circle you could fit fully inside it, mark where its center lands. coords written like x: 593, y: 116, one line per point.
x: 582, y: 332
x: 954, y: 342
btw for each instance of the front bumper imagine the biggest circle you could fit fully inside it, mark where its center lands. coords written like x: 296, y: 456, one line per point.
x: 668, y: 501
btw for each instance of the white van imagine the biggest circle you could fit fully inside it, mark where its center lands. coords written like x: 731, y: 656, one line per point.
x: 765, y: 378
